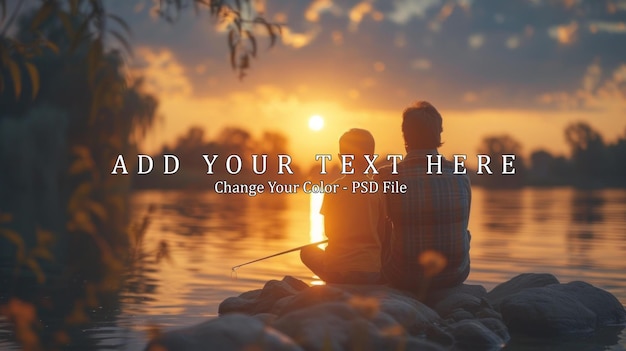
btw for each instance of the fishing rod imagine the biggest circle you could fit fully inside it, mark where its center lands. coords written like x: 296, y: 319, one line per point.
x: 280, y: 253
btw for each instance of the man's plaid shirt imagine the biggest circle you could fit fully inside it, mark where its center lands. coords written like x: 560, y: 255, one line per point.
x: 429, y: 224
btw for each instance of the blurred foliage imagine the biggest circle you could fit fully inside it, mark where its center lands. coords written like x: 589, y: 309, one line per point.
x: 89, y: 21
x: 68, y: 109
x: 65, y: 246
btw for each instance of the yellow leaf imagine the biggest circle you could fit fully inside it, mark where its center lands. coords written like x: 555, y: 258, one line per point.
x: 82, y: 222
x: 81, y: 151
x: 14, y: 69
x: 78, y: 315
x: 79, y: 166
x: 34, y: 266
x: 34, y: 77
x: 13, y: 237
x: 97, y: 210
x: 67, y: 23
x: 44, y: 12
x: 45, y: 237
x: 42, y: 252
x: 6, y: 217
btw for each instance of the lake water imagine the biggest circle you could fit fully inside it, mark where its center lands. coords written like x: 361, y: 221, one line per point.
x: 573, y: 234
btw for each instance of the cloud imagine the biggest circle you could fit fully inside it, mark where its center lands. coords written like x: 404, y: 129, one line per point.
x: 565, y: 33
x: 421, y: 64
x: 597, y: 91
x: 609, y: 27
x: 162, y: 72
x: 298, y: 40
x: 318, y: 7
x: 475, y: 41
x: 359, y: 11
x: 405, y: 10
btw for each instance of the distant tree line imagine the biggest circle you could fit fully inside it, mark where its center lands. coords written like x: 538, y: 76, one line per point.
x: 592, y: 163
x: 192, y: 173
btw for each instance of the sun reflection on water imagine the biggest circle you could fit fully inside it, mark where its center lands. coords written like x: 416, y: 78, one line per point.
x: 316, y: 221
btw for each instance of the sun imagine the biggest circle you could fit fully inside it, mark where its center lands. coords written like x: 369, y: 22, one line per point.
x: 316, y: 123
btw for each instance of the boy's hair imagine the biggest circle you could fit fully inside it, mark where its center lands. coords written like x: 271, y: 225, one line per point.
x: 422, y: 126
x: 357, y: 142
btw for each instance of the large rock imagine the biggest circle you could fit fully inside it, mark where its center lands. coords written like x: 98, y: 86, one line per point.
x: 519, y: 283
x: 289, y: 315
x: 546, y: 312
x: 473, y: 335
x: 555, y: 309
x: 262, y: 300
x: 312, y: 296
x: 435, y: 296
x: 609, y: 311
x: 347, y: 326
x: 233, y: 332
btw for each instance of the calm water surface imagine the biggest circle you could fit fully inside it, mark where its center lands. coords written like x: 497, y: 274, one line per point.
x: 575, y: 235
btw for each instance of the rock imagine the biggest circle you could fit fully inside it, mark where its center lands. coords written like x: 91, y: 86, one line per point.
x: 473, y: 335
x: 232, y: 332
x: 408, y: 344
x: 313, y: 296
x: 519, y: 283
x: 497, y: 327
x: 266, y: 318
x: 452, y: 302
x: 546, y: 312
x: 558, y: 309
x: 473, y: 290
x: 488, y: 313
x: 262, y: 301
x: 343, y: 326
x: 327, y: 326
x: 609, y: 311
x: 459, y: 314
x: 413, y: 317
x: 289, y: 315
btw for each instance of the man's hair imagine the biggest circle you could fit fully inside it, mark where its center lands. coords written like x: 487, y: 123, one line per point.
x: 421, y: 126
x: 356, y: 142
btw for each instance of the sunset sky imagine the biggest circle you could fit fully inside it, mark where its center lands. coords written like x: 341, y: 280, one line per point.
x: 524, y: 68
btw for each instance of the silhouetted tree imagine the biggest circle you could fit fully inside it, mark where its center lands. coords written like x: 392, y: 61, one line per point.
x: 496, y: 147
x: 589, y: 154
x: 547, y: 169
x: 617, y: 161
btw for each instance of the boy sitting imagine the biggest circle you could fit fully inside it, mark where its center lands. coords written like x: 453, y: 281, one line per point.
x: 353, y: 223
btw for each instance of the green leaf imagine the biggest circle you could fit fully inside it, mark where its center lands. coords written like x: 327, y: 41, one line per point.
x: 272, y: 34
x: 3, y: 8
x: 123, y: 41
x: 36, y: 268
x: 231, y: 46
x: 78, y: 35
x: 14, y: 70
x: 252, y: 41
x: 34, y: 77
x: 67, y: 24
x: 94, y: 58
x: 121, y: 22
x: 74, y: 6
